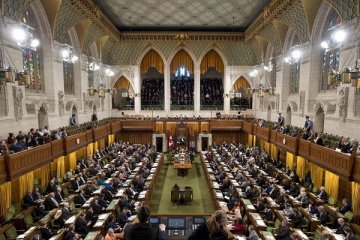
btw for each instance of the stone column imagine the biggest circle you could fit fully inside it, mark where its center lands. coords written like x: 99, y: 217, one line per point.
x: 167, y: 86
x: 197, y: 89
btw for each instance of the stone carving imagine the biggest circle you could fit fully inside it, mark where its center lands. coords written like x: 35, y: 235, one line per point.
x: 18, y: 97
x: 342, y: 103
x: 61, y: 103
x: 302, y: 102
x: 277, y: 102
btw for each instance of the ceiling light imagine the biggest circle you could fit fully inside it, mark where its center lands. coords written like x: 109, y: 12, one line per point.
x: 34, y: 43
x: 19, y: 35
x: 296, y: 53
x: 339, y: 36
x: 68, y: 54
x: 65, y: 53
x: 324, y: 44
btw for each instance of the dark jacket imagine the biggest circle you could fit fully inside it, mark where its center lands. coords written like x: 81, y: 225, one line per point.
x: 202, y: 233
x: 283, y: 234
x: 143, y: 231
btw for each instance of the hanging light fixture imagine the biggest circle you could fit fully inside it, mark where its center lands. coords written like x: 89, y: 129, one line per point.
x: 294, y: 55
x: 337, y: 38
x: 22, y: 34
x: 68, y: 55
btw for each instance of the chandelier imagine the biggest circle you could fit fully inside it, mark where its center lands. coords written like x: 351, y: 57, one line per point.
x: 22, y: 34
x: 294, y: 55
x: 335, y: 41
x: 68, y: 54
x: 101, y: 71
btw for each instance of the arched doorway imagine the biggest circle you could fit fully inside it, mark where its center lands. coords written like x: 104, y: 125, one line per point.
x: 288, y: 116
x: 123, y: 99
x: 211, y: 82
x: 152, y: 76
x: 182, y: 82
x: 240, y: 97
x: 43, y: 119
x: 319, y: 119
x: 268, y: 114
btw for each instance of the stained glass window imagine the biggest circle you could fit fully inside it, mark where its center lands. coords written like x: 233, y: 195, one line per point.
x: 330, y: 57
x: 32, y: 58
x: 294, y: 77
x: 68, y: 69
x: 182, y: 72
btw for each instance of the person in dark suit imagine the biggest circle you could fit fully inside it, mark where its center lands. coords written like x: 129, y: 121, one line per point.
x: 58, y: 219
x: 284, y: 232
x: 123, y: 216
x: 90, y: 216
x: 342, y: 225
x: 80, y: 199
x: 37, y: 194
x: 81, y: 225
x: 76, y: 183
x: 322, y: 194
x: 45, y: 232
x: 143, y: 229
x: 70, y: 233
x: 50, y: 202
x: 281, y: 199
x: 296, y: 219
x: 274, y: 192
x: 29, y: 200
x: 319, y: 139
x: 97, y: 207
x: 66, y: 213
x: 346, y: 206
x: 59, y: 195
x: 323, y: 215
x: 349, y: 234
x: 51, y: 186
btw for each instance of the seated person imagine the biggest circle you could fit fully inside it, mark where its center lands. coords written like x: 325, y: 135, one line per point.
x: 66, y: 213
x: 342, y: 225
x: 346, y: 206
x: 80, y: 198
x: 39, y: 211
x: 349, y: 234
x: 98, y: 209
x: 284, y: 232
x: 123, y: 216
x: 45, y: 231
x: 111, y: 223
x: 29, y: 200
x: 313, y: 209
x: 37, y: 194
x: 111, y: 235
x: 70, y: 233
x: 322, y: 194
x: 236, y: 211
x: 303, y: 199
x: 50, y: 202
x: 81, y: 225
x: 296, y: 219
x: 252, y: 233
x: 59, y: 220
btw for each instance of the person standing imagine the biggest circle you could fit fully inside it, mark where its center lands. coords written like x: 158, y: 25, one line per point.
x: 73, y: 120
x: 308, y: 124
x: 281, y: 120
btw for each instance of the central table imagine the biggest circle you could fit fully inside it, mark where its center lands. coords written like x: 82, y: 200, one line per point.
x: 183, y: 168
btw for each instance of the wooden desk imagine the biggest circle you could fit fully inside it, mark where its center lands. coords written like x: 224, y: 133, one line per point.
x: 300, y: 233
x: 331, y: 232
x: 265, y: 235
x: 48, y: 217
x: 92, y: 235
x: 112, y: 206
x: 100, y: 223
x: 333, y: 211
x: 315, y: 198
x: 183, y: 168
x: 257, y: 222
x: 314, y: 222
x: 28, y: 234
x: 272, y: 203
x: 59, y: 236
x: 281, y: 216
x: 247, y: 204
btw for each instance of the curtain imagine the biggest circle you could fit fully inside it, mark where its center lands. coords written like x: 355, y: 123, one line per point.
x: 159, y: 127
x: 300, y: 167
x: 101, y: 143
x: 356, y: 200
x: 152, y: 59
x: 43, y: 173
x: 26, y: 184
x: 81, y: 152
x: 60, y: 168
x: 265, y: 146
x: 212, y: 59
x: 273, y: 151
x: 317, y: 174
x: 72, y: 160
x: 123, y: 83
x: 5, y: 197
x: 250, y: 140
x: 182, y: 58
x: 90, y: 149
x: 332, y: 184
x: 111, y: 139
x: 241, y: 83
x: 290, y: 160
x: 96, y: 146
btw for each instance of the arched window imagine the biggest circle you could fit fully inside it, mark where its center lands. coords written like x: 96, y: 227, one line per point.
x: 68, y: 70
x: 294, y: 77
x: 32, y: 58
x: 330, y: 57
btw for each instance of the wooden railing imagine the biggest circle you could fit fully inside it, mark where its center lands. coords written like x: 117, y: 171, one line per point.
x: 228, y: 125
x: 57, y: 148
x: 101, y: 132
x: 336, y: 162
x: 3, y: 173
x: 289, y: 143
x: 356, y: 174
x: 90, y: 136
x: 29, y: 160
x: 248, y: 127
x: 304, y: 148
x: 262, y: 133
x: 115, y: 127
x: 273, y: 135
x: 75, y: 142
x: 137, y: 125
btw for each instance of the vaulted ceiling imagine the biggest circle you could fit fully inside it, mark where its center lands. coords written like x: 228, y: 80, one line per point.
x: 216, y: 15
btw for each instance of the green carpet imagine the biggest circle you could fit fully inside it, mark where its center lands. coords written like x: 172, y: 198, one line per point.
x: 201, y: 204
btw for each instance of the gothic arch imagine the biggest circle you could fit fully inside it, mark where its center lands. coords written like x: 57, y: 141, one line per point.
x: 115, y: 80
x: 245, y: 77
x: 178, y: 49
x: 218, y: 51
x: 146, y: 50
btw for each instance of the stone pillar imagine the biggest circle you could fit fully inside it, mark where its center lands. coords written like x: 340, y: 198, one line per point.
x: 167, y: 87
x: 201, y: 135
x: 197, y: 89
x: 137, y: 90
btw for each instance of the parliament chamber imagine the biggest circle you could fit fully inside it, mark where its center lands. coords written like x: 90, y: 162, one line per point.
x: 199, y: 119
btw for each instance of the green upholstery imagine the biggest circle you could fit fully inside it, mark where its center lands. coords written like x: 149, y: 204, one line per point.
x: 11, y: 233
x: 349, y: 215
x: 315, y: 189
x: 10, y: 213
x: 29, y: 221
x: 2, y: 237
x: 331, y: 201
x: 60, y: 180
x: 317, y: 234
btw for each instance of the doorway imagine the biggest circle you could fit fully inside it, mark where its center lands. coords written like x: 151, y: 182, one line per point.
x: 159, y: 144
x: 204, y: 143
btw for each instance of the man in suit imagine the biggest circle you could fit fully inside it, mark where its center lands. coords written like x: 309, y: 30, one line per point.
x: 46, y: 233
x: 76, y: 183
x: 303, y: 199
x: 274, y: 192
x: 308, y: 124
x: 346, y: 206
x: 29, y: 200
x: 66, y: 214
x: 281, y: 199
x: 284, y: 232
x: 59, y: 196
x: 281, y: 120
x: 143, y: 229
x: 342, y: 224
x: 80, y: 199
x: 323, y: 215
x: 50, y: 202
x: 322, y: 194
x: 37, y: 194
x: 81, y: 225
x: 123, y: 216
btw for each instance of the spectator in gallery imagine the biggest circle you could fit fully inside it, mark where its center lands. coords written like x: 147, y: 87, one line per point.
x: 73, y: 120
x: 281, y: 120
x: 308, y: 124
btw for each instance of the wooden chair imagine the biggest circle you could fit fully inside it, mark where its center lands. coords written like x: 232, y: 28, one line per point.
x: 188, y: 195
x: 175, y: 196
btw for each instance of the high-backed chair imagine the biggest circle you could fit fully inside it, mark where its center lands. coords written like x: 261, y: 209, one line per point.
x: 188, y: 195
x: 175, y: 195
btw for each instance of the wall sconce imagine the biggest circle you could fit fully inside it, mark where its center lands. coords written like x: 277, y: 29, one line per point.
x: 294, y: 56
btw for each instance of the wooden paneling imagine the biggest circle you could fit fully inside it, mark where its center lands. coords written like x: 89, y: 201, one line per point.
x: 159, y: 127
x: 75, y: 142
x: 138, y: 137
x: 219, y: 137
x: 262, y: 133
x: 225, y: 125
x: 90, y: 136
x: 137, y: 125
x: 29, y: 160
x: 338, y: 163
x: 273, y: 135
x: 101, y: 132
x: 115, y: 127
x: 248, y: 127
x: 288, y: 143
x: 304, y: 148
x: 3, y: 173
x: 205, y: 127
x: 57, y: 147
x: 357, y: 169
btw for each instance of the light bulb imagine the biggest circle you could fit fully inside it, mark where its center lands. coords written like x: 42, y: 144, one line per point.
x: 96, y: 67
x: 324, y: 44
x: 74, y: 58
x: 34, y: 43
x: 65, y: 53
x: 19, y: 35
x: 287, y: 59
x: 296, y: 54
x: 339, y: 35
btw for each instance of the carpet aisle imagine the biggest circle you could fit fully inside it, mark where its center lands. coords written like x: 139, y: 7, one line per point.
x: 201, y: 204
